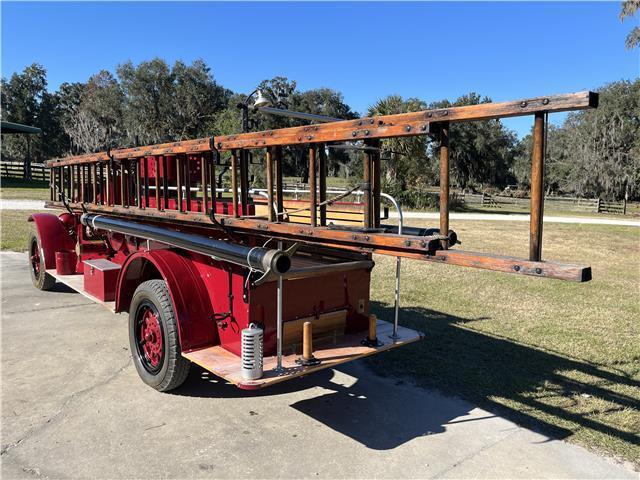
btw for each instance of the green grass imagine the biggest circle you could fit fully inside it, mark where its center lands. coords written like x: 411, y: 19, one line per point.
x: 14, y: 229
x: 15, y: 188
x: 550, y: 209
x: 557, y: 356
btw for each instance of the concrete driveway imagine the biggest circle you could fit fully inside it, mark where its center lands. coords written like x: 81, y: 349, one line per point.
x: 73, y: 406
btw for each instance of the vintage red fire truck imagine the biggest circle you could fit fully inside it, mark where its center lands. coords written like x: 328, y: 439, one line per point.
x: 255, y: 286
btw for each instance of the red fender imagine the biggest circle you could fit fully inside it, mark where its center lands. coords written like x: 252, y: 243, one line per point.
x: 53, y: 236
x: 196, y: 326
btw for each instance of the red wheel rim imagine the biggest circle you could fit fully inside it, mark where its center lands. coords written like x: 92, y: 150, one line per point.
x: 34, y: 257
x: 149, y: 338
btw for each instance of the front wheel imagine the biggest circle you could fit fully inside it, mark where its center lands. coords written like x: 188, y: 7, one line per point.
x: 39, y: 276
x: 153, y: 337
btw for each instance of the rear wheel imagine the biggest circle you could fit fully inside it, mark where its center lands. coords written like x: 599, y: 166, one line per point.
x: 39, y: 276
x: 153, y: 337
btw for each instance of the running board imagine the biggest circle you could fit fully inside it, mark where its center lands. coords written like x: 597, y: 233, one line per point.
x: 344, y: 349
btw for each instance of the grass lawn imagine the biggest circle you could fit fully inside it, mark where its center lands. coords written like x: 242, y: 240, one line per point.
x: 560, y: 357
x: 15, y: 188
x: 14, y: 230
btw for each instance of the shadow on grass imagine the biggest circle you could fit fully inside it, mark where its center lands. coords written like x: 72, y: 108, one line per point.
x: 479, y: 367
x: 10, y: 182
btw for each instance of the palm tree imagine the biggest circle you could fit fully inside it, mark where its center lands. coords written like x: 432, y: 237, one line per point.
x: 405, y: 152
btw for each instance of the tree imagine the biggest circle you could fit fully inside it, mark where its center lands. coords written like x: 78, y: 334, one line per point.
x: 93, y: 113
x: 481, y: 152
x: 21, y: 99
x: 629, y: 9
x: 149, y: 100
x: 596, y: 153
x: 408, y: 163
x: 198, y: 98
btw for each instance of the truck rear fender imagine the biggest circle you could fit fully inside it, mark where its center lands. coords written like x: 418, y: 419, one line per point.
x: 191, y: 301
x: 54, y: 236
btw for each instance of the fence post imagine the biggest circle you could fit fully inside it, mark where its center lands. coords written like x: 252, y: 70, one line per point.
x: 599, y: 205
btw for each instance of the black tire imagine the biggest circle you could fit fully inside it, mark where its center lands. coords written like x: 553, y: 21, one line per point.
x: 39, y: 276
x: 169, y: 369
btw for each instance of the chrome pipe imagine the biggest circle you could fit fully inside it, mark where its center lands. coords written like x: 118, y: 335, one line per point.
x: 256, y: 258
x: 279, y: 319
x: 396, y: 317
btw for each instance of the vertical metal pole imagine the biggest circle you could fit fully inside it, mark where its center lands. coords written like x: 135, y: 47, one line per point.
x: 212, y: 179
x: 52, y: 181
x: 444, y: 182
x: 165, y: 180
x: 95, y: 183
x: 109, y: 183
x: 156, y: 160
x: 279, y: 318
x: 313, y: 192
x: 74, y: 184
x: 375, y: 186
x: 396, y: 317
x: 269, y: 166
x: 244, y: 181
x: 234, y: 181
x: 179, y: 171
x: 537, y: 194
x: 322, y: 180
x: 187, y: 180
x: 366, y: 187
x: 205, y: 183
x: 145, y: 175
x: 82, y: 182
x: 59, y: 183
x: 138, y: 167
x: 122, y: 182
x: 279, y: 185
x: 102, y: 189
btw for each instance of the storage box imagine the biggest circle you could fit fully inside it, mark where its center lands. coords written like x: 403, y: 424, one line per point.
x: 100, y: 279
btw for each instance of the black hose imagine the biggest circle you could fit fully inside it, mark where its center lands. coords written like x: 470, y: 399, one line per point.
x: 256, y: 258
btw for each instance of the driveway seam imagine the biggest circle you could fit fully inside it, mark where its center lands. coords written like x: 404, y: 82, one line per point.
x: 476, y: 453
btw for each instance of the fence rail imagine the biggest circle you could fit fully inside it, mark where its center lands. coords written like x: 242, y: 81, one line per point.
x: 594, y: 205
x: 298, y: 190
x: 17, y: 170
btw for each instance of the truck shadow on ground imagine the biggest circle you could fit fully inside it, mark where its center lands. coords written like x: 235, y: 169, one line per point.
x: 454, y: 363
x: 378, y: 413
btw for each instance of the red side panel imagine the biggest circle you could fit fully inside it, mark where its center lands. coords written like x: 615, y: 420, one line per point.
x: 188, y: 293
x: 53, y: 235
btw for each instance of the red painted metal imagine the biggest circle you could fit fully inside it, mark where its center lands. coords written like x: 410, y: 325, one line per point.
x: 53, y: 235
x: 100, y: 278
x: 66, y: 262
x: 189, y: 294
x: 150, y: 337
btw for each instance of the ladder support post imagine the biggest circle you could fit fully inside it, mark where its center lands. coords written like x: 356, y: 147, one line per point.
x: 313, y: 192
x: 537, y: 185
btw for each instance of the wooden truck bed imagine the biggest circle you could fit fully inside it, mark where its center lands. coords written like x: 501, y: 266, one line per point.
x: 345, y: 348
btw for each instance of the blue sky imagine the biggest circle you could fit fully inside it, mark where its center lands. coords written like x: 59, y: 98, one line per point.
x: 365, y: 50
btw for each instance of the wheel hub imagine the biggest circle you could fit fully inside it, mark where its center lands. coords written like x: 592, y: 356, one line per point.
x: 151, y: 338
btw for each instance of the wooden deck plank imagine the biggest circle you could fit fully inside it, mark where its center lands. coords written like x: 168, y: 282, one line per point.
x: 226, y: 365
